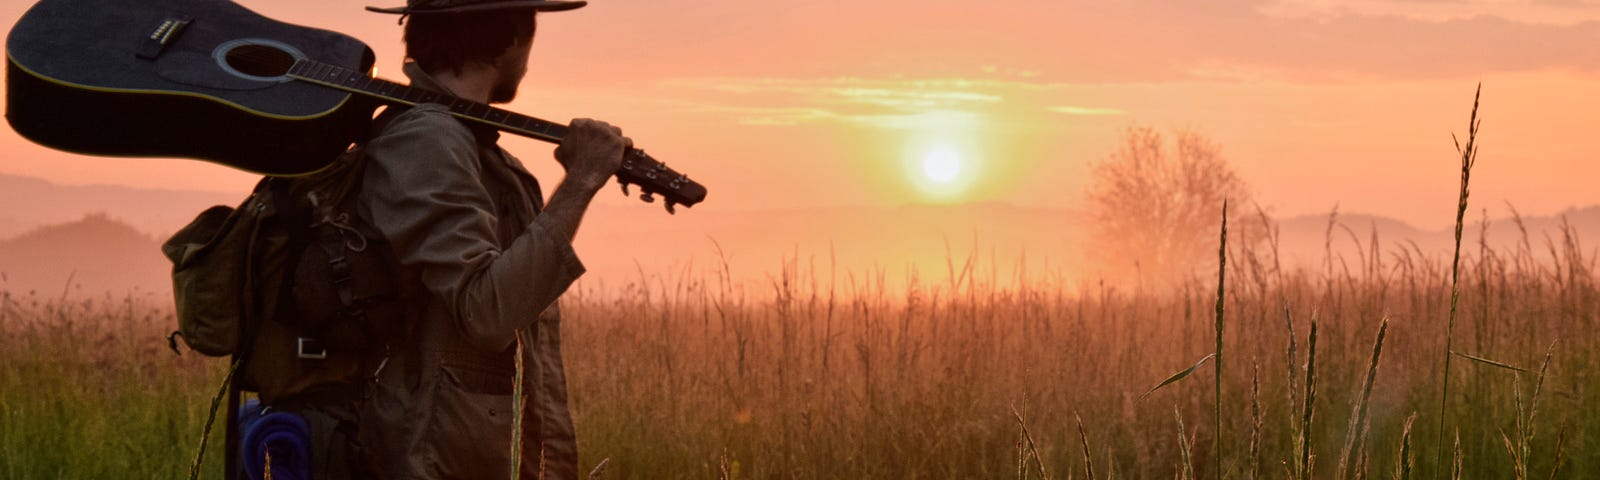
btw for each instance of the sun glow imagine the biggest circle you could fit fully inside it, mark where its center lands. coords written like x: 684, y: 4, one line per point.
x: 942, y: 170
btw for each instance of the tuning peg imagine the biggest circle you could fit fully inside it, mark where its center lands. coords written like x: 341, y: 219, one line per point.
x: 647, y: 197
x: 670, y: 210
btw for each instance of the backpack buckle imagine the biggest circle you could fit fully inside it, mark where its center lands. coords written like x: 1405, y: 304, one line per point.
x: 310, y: 349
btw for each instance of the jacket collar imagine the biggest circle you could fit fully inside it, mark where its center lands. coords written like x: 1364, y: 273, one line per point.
x: 485, y: 135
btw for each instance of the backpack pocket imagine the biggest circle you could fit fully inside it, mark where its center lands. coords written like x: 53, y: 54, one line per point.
x: 209, y: 257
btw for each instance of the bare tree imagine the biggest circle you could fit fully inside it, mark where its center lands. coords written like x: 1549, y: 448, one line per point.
x: 1156, y: 211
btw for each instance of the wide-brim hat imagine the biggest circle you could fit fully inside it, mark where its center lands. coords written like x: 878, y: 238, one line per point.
x: 420, y: 7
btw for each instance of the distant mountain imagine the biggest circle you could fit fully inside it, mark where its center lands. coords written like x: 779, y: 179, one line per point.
x: 27, y: 203
x: 118, y: 245
x: 92, y: 255
x: 1306, y: 239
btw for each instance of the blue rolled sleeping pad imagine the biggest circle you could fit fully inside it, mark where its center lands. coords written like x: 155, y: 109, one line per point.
x: 284, y: 434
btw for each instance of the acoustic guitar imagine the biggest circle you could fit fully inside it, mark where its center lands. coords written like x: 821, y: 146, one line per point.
x: 212, y: 80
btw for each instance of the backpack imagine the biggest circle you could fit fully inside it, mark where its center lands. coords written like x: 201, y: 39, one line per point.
x: 295, y: 287
x: 291, y: 283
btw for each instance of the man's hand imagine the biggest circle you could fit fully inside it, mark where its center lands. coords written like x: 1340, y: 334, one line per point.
x: 591, y: 152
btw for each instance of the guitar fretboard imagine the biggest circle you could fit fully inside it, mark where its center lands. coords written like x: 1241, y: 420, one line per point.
x: 356, y: 82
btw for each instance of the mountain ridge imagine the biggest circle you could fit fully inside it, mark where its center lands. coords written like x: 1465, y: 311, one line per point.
x: 621, y: 241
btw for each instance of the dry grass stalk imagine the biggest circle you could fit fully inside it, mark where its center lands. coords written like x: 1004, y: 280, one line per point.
x: 1533, y: 402
x: 1293, y: 359
x: 1022, y: 456
x: 599, y: 470
x: 1033, y: 448
x: 1521, y: 450
x: 1405, y: 464
x: 724, y: 470
x: 1183, y: 445
x: 1518, y: 464
x: 1303, y: 469
x: 1455, y: 458
x: 1180, y: 375
x: 211, y: 418
x: 1561, y: 443
x: 1255, y: 422
x: 1222, y: 277
x: 1492, y: 363
x: 516, y: 419
x: 1088, y: 461
x: 1469, y: 156
x: 1354, y: 437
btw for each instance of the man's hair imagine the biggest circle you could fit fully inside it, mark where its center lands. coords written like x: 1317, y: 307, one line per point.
x: 451, y: 41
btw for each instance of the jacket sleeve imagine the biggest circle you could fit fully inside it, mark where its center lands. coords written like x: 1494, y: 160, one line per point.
x: 424, y: 190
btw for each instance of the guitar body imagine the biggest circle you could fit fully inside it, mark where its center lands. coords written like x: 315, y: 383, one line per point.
x: 153, y: 78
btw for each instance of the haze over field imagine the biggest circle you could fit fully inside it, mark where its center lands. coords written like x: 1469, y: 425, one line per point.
x: 106, y: 238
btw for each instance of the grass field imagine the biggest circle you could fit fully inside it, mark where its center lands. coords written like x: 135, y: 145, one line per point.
x: 1333, y: 372
x: 824, y: 374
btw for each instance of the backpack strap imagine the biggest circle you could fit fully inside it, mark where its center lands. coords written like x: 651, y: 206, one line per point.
x: 252, y: 326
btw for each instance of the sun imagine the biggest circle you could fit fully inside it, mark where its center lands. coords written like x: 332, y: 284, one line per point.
x: 941, y: 165
x: 942, y: 170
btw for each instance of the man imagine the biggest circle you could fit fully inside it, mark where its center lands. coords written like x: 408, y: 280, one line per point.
x: 491, y: 255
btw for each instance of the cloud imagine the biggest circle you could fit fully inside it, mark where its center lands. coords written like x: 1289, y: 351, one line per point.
x: 1088, y: 111
x: 1096, y: 41
x: 894, y: 103
x: 1553, y: 12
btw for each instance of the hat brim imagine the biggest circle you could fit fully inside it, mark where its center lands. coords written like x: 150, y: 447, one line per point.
x: 537, y: 5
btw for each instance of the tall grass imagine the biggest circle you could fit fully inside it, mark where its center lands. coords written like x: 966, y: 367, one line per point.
x: 858, y: 380
x: 1469, y: 156
x: 928, y: 373
x: 89, y: 389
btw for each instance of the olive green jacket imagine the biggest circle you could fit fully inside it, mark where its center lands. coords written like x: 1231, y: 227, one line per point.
x: 463, y: 213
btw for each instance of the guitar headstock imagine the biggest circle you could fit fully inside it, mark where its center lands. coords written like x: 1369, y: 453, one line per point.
x: 654, y: 178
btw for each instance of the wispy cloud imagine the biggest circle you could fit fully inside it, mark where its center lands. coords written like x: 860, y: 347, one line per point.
x: 894, y: 103
x: 1553, y: 12
x: 1088, y: 111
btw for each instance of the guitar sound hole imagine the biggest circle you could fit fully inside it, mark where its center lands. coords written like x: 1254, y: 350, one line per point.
x: 258, y: 60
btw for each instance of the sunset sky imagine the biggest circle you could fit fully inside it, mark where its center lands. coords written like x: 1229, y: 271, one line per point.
x: 780, y: 105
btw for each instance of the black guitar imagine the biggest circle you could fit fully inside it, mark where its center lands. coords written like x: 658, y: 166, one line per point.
x: 212, y: 80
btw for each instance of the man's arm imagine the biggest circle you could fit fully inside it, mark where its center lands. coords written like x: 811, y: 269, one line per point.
x: 423, y: 189
x: 591, y: 152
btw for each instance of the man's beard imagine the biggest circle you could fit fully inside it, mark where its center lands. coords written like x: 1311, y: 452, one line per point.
x: 505, y: 89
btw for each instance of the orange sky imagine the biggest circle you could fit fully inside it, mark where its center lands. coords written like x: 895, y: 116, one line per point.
x: 795, y: 104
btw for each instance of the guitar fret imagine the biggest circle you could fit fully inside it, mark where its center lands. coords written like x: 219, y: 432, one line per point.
x: 383, y: 89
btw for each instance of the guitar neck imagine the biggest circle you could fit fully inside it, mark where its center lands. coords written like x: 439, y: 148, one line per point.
x: 348, y: 80
x: 637, y: 168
